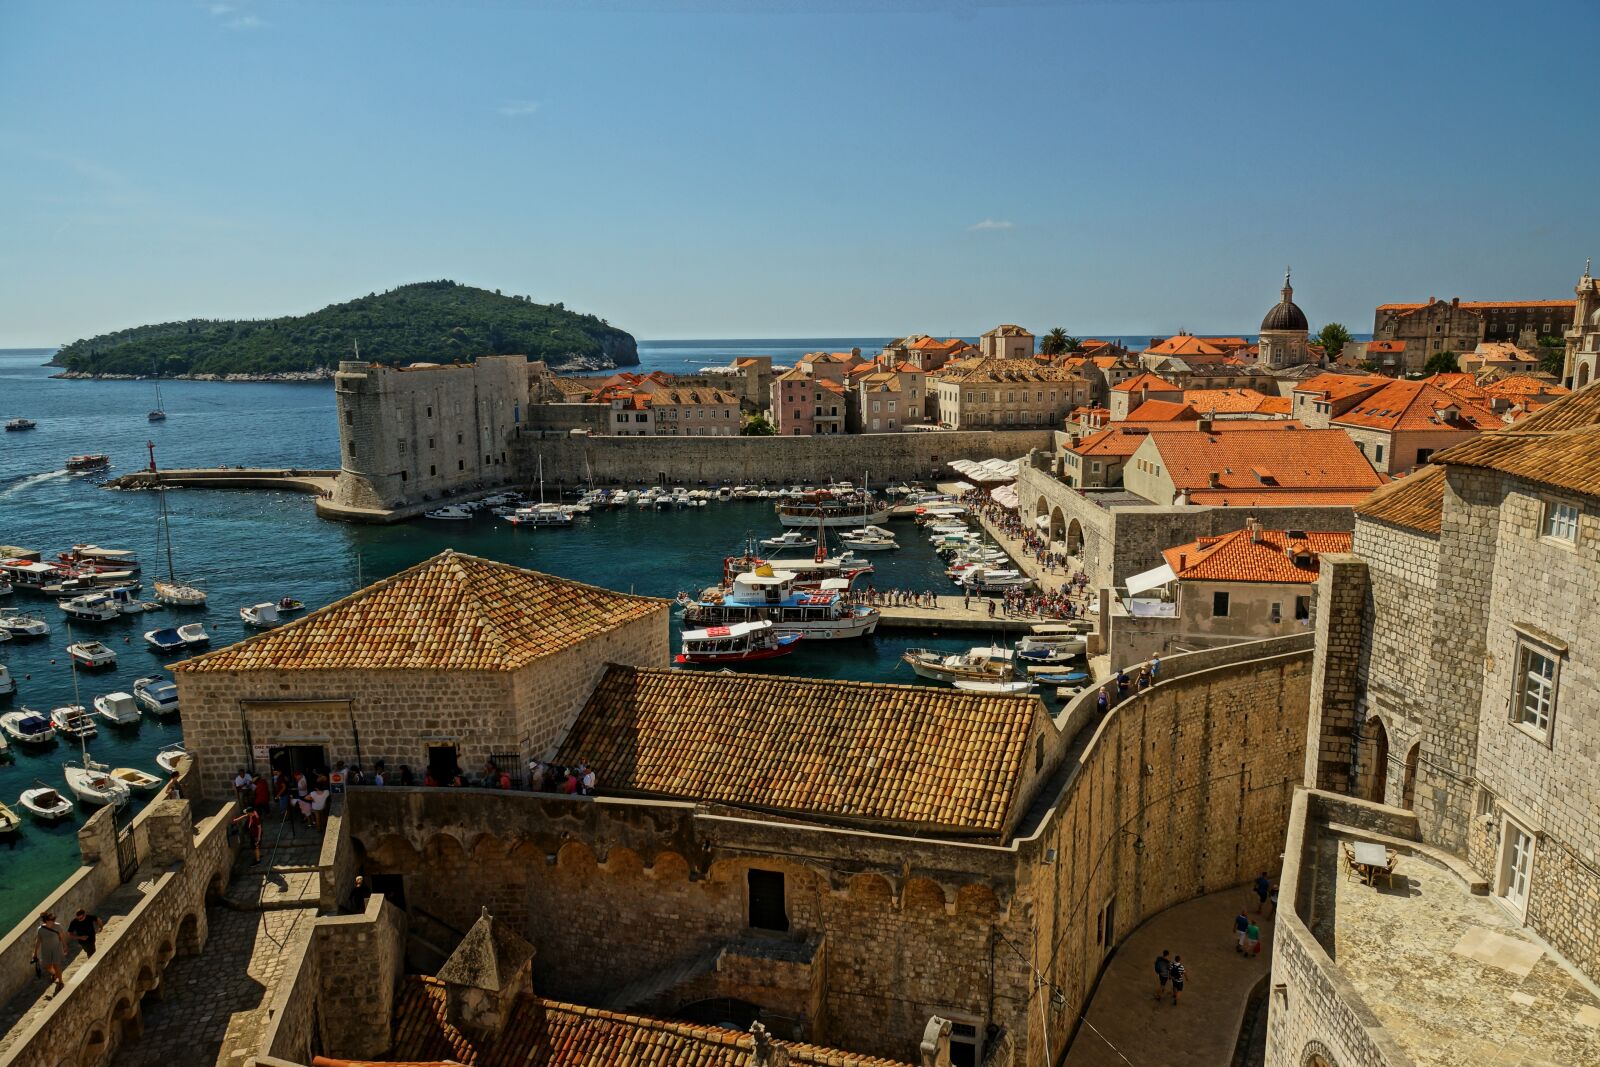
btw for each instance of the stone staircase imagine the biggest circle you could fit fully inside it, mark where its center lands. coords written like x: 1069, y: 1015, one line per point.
x: 287, y: 877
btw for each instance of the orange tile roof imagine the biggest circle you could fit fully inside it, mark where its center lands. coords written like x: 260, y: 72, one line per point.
x: 1269, y: 556
x: 1457, y: 383
x: 1340, y: 386
x: 1124, y: 438
x: 1184, y: 344
x: 453, y: 612
x: 692, y: 397
x: 1145, y: 380
x: 1306, y: 460
x: 1415, y: 501
x: 1162, y: 411
x: 549, y: 1033
x: 934, y: 760
x: 1233, y: 401
x: 1515, y: 386
x: 1558, y: 445
x: 1001, y: 371
x: 1386, y: 346
x: 1281, y: 498
x: 1416, y: 405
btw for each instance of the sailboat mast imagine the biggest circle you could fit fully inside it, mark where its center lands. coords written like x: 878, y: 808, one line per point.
x: 166, y: 532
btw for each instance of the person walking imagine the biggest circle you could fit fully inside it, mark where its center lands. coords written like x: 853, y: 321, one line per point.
x: 1163, y: 972
x: 1252, y: 936
x: 252, y: 830
x: 83, y: 929
x: 1178, y: 974
x: 1102, y: 702
x: 50, y: 948
x: 1263, y: 890
x: 1155, y: 669
x: 1241, y: 925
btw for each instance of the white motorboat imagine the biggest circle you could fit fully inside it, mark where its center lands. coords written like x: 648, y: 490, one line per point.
x: 981, y: 664
x: 118, y: 709
x: 24, y: 626
x: 93, y: 784
x: 970, y: 686
x: 91, y: 655
x: 743, y: 642
x: 72, y: 720
x: 789, y: 539
x: 831, y: 511
x: 10, y: 821
x: 542, y: 515
x: 166, y: 639
x: 1051, y: 645
x: 449, y: 513
x: 43, y: 802
x: 5, y: 588
x: 194, y: 635
x: 171, y: 758
x: 91, y: 607
x: 27, y: 727
x: 136, y: 780
x: 869, y: 539
x: 8, y: 684
x: 995, y: 580
x: 262, y: 616
x: 158, y: 696
x: 21, y: 424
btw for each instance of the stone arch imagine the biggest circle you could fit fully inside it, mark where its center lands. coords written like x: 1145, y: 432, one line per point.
x: 1408, y: 781
x: 125, y: 1023
x: 96, y: 1046
x: 1074, y: 537
x: 444, y: 846
x: 394, y: 852
x: 163, y: 956
x: 189, y: 936
x: 1316, y: 1054
x: 1058, y: 525
x: 1377, y: 735
x: 977, y: 899
x: 1041, y: 509
x: 621, y: 860
x: 668, y: 866
x: 923, y: 894
x: 486, y: 846
x: 870, y: 886
x: 574, y: 854
x: 146, y: 979
x: 1583, y: 376
x: 216, y: 887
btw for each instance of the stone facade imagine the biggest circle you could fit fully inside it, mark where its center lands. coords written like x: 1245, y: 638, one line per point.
x: 1582, y: 363
x: 1457, y: 326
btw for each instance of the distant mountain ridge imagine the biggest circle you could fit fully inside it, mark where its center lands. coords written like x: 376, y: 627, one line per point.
x: 426, y: 322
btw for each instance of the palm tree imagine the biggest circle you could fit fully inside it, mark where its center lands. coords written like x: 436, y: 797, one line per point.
x: 1057, y: 342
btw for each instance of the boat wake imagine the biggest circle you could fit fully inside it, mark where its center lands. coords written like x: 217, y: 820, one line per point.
x: 31, y: 480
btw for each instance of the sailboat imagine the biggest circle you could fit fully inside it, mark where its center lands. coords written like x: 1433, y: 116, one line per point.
x: 159, y: 414
x: 92, y: 783
x: 172, y: 592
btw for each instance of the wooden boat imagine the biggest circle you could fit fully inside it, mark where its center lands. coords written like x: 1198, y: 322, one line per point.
x: 742, y: 642
x: 135, y: 779
x: 91, y: 655
x: 986, y: 663
x: 10, y: 821
x: 91, y: 461
x: 72, y: 720
x: 43, y: 802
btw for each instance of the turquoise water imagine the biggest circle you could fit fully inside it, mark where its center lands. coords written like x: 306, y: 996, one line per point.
x: 246, y: 547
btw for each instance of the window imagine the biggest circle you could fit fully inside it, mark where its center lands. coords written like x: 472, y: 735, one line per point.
x: 767, y: 911
x: 641, y: 417
x: 1302, y: 608
x: 349, y: 417
x: 1423, y: 455
x: 1380, y: 453
x: 1516, y: 866
x: 963, y: 1043
x: 461, y: 464
x: 1219, y: 605
x: 430, y: 411
x: 430, y: 442
x: 1561, y: 521
x: 1038, y: 752
x: 1536, y: 689
x: 432, y: 470
x: 402, y: 476
x: 1276, y: 614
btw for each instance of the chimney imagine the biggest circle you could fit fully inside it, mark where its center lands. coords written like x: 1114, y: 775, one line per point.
x: 1214, y: 479
x: 936, y: 1043
x: 1455, y: 301
x: 1254, y: 527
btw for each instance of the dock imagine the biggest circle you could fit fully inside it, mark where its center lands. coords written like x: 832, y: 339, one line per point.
x: 317, y: 482
x: 950, y: 615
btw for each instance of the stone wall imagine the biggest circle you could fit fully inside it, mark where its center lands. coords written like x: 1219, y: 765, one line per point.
x: 1331, y: 760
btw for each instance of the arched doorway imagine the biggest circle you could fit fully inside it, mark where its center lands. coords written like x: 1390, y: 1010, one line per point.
x: 1378, y: 774
x: 1058, y: 526
x: 1408, y: 784
x: 1583, y: 376
x: 1040, y: 510
x: 1074, y: 537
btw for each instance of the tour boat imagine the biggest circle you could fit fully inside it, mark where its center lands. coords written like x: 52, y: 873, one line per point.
x: 29, y: 574
x: 72, y: 720
x: 775, y: 596
x: 828, y: 510
x: 982, y: 664
x: 10, y: 821
x: 973, y: 686
x: 449, y: 513
x: 1049, y: 645
x: 90, y: 462
x: 994, y: 580
x: 91, y: 607
x: 194, y: 635
x: 158, y: 695
x: 166, y: 639
x: 21, y: 424
x: 135, y: 779
x: 118, y: 709
x: 743, y: 642
x: 24, y: 626
x: 261, y: 616
x: 43, y: 802
x: 171, y: 758
x: 96, y: 558
x: 91, y: 655
x: 93, y: 784
x: 28, y: 727
x: 8, y: 684
x: 789, y: 539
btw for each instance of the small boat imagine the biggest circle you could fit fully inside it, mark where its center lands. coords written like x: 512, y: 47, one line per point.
x: 28, y: 727
x: 6, y: 588
x: 91, y: 655
x: 118, y: 709
x: 1051, y: 645
x: 288, y: 604
x: 449, y: 513
x: 159, y: 412
x: 158, y: 695
x: 541, y: 515
x: 24, y: 626
x: 135, y: 779
x: 262, y: 616
x: 869, y: 539
x: 777, y: 596
x: 742, y: 642
x: 171, y: 758
x: 1069, y: 678
x: 988, y: 663
x: 166, y: 639
x: 93, y: 785
x: 45, y: 803
x: 21, y: 424
x: 8, y: 684
x: 995, y: 580
x: 179, y: 594
x: 993, y: 687
x: 72, y: 720
x: 91, y: 607
x: 194, y: 635
x: 10, y: 821
x: 789, y: 539
x: 92, y: 461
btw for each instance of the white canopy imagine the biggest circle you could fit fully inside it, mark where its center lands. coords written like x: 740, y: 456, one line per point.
x: 1150, y: 579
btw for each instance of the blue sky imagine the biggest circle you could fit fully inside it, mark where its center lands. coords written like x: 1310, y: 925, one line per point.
x: 715, y: 169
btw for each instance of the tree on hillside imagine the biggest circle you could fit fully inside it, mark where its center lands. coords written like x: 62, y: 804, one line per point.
x: 1333, y: 338
x: 1057, y: 343
x: 1442, y: 363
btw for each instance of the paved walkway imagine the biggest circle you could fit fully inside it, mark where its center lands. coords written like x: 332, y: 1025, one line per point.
x: 1126, y: 1024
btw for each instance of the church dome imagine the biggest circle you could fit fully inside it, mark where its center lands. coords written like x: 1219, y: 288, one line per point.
x: 1286, y: 314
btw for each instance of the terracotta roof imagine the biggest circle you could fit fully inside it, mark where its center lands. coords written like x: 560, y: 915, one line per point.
x: 1340, y: 386
x: 1008, y: 330
x: 1500, y: 352
x: 1236, y: 402
x: 1458, y: 383
x: 1146, y: 380
x: 1002, y: 371
x: 1281, y: 498
x: 1415, y: 501
x: 1306, y: 460
x: 1577, y: 410
x: 692, y: 397
x: 451, y: 612
x: 1184, y: 344
x: 933, y: 759
x: 1386, y: 346
x: 1516, y: 386
x: 1270, y: 556
x: 1565, y: 459
x: 1124, y: 438
x: 1408, y: 405
x: 549, y: 1033
x: 1162, y: 411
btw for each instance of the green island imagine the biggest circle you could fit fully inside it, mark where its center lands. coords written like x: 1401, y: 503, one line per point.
x: 439, y: 321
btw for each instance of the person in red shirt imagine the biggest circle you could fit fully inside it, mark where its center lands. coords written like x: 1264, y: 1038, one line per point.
x: 261, y: 797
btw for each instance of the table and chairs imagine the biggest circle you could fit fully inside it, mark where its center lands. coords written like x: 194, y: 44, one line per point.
x: 1369, y: 861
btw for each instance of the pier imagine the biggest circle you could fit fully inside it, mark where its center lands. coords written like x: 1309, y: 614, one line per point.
x: 317, y: 482
x: 950, y: 615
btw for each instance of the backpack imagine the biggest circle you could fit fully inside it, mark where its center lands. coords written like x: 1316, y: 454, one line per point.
x: 1177, y: 972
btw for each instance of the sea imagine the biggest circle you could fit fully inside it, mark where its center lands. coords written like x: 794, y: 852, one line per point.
x: 246, y: 547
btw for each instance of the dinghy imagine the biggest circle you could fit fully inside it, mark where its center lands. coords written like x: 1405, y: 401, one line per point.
x: 135, y: 779
x: 45, y: 803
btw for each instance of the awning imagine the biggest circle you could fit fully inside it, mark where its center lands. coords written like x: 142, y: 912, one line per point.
x: 1151, y: 579
x: 1043, y: 522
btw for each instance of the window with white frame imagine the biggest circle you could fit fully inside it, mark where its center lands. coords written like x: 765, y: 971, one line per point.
x: 1561, y: 521
x: 1535, y: 698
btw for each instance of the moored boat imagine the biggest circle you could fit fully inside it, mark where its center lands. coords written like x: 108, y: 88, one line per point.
x: 158, y: 696
x: 826, y: 510
x: 448, y: 513
x: 118, y: 709
x: 171, y: 758
x: 43, y: 802
x: 288, y: 604
x: 24, y: 626
x: 8, y: 684
x: 789, y: 539
x: 742, y: 642
x: 194, y: 635
x: 775, y: 596
x: 971, y: 686
x: 166, y: 639
x: 135, y: 779
x: 91, y: 607
x: 27, y: 727
x: 93, y: 784
x: 91, y: 655
x: 988, y: 663
x: 262, y: 616
x: 10, y: 821
x: 984, y: 579
x: 72, y: 720
x: 179, y: 594
x: 1048, y: 645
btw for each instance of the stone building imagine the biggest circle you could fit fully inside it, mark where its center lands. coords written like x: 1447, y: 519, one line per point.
x: 887, y: 400
x: 1006, y: 341
x: 695, y: 412
x: 1460, y: 325
x: 1129, y: 394
x: 925, y: 353
x: 443, y: 665
x: 1582, y: 363
x: 989, y: 393
x: 1401, y: 425
x: 1275, y: 462
x: 1285, y: 334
